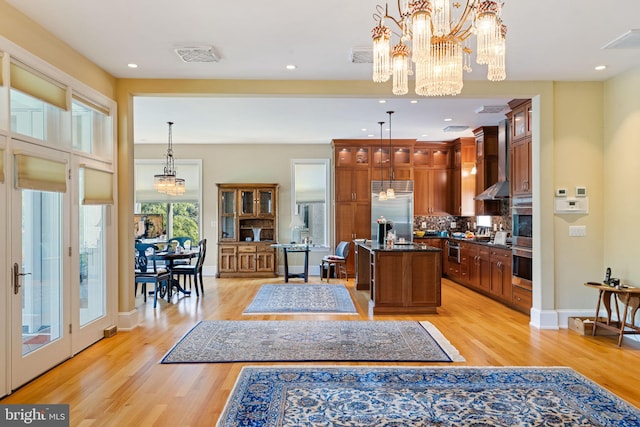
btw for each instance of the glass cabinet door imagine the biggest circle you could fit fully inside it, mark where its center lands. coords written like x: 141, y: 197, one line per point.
x: 247, y: 202
x: 227, y: 215
x: 265, y: 199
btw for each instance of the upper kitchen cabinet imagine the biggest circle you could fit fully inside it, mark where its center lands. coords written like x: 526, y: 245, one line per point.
x: 486, y: 144
x: 352, y: 185
x: 520, y: 118
x: 434, y: 156
x: 433, y: 174
x: 350, y: 156
x: 463, y: 181
x: 352, y: 174
x: 520, y: 149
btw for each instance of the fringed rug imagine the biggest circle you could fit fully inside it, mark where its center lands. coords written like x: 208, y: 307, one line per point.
x: 214, y: 341
x: 440, y: 396
x: 297, y: 299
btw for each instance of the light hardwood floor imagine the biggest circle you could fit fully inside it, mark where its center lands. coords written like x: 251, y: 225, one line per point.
x: 120, y: 382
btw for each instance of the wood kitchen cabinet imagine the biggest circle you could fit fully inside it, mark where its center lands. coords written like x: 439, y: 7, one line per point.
x: 431, y: 191
x: 500, y: 284
x: 241, y: 209
x: 488, y: 269
x: 520, y: 147
x: 352, y: 185
x: 353, y: 221
x: 400, y: 280
x: 463, y: 180
x: 486, y: 140
x: 398, y: 166
x: 483, y: 266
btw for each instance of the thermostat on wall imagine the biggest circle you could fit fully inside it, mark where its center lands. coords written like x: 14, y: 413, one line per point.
x: 572, y: 206
x: 561, y: 192
x: 581, y: 191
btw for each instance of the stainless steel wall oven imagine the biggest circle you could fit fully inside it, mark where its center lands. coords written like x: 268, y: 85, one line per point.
x: 522, y: 239
x: 522, y: 218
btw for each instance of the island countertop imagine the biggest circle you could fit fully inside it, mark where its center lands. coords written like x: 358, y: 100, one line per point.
x: 398, y: 247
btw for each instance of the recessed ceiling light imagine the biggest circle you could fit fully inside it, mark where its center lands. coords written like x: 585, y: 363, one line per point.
x: 414, y: 101
x: 371, y: 135
x: 601, y: 67
x: 424, y: 135
x: 448, y: 119
x: 364, y: 129
x: 383, y: 101
x: 132, y: 65
x: 291, y: 67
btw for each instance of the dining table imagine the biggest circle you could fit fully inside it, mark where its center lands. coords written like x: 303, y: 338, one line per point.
x: 169, y: 257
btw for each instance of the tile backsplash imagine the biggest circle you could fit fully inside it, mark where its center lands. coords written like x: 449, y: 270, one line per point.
x: 443, y: 223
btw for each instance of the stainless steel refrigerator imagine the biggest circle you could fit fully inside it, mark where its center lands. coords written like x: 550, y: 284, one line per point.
x: 397, y: 211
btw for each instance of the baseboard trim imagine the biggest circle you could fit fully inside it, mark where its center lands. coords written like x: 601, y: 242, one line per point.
x: 128, y: 321
x: 544, y: 319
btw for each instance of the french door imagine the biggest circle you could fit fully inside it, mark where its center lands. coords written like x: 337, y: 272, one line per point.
x: 39, y: 262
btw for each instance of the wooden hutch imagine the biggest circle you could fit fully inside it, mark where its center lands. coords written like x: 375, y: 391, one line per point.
x: 247, y: 227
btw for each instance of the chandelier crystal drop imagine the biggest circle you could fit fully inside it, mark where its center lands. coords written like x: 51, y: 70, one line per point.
x: 400, y: 60
x: 438, y: 32
x: 167, y: 182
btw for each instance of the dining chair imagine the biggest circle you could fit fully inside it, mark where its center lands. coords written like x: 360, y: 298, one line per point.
x: 192, y: 270
x: 147, y: 271
x: 337, y: 262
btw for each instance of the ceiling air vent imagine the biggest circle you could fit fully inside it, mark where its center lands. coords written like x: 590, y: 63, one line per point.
x: 197, y: 54
x: 361, y: 55
x: 455, y: 128
x: 629, y: 40
x: 491, y: 109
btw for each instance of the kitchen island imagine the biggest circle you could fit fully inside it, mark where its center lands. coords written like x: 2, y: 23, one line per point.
x: 401, y: 279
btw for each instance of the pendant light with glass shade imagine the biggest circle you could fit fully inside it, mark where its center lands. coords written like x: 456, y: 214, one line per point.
x: 391, y: 193
x: 383, y: 194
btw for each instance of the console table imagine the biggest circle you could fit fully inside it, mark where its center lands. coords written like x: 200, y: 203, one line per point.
x: 293, y: 247
x: 629, y: 297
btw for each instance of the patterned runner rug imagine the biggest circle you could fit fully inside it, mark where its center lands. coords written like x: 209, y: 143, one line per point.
x: 297, y: 298
x: 440, y: 396
x: 214, y: 341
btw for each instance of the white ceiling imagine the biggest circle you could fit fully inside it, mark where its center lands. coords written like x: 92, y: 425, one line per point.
x: 547, y: 40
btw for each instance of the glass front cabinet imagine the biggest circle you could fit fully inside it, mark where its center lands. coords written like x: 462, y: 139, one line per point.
x: 247, y: 229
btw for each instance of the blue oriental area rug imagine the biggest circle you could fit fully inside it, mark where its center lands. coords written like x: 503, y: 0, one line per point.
x: 301, y: 299
x: 392, y: 397
x: 215, y: 341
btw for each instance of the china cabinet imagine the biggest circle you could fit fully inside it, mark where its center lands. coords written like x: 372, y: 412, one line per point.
x: 247, y: 227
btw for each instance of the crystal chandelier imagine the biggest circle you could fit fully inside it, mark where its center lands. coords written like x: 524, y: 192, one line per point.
x: 439, y: 32
x: 168, y: 182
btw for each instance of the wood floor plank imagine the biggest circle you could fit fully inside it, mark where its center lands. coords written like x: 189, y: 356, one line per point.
x: 119, y: 381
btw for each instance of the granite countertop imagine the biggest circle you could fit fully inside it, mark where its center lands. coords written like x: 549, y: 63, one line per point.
x: 462, y: 239
x: 406, y: 247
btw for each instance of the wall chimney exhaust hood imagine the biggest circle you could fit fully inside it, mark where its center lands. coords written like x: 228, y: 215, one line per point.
x: 501, y: 189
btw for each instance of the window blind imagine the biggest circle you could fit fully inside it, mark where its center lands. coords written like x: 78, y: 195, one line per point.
x: 98, y: 186
x: 35, y: 173
x: 34, y: 84
x: 92, y: 105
